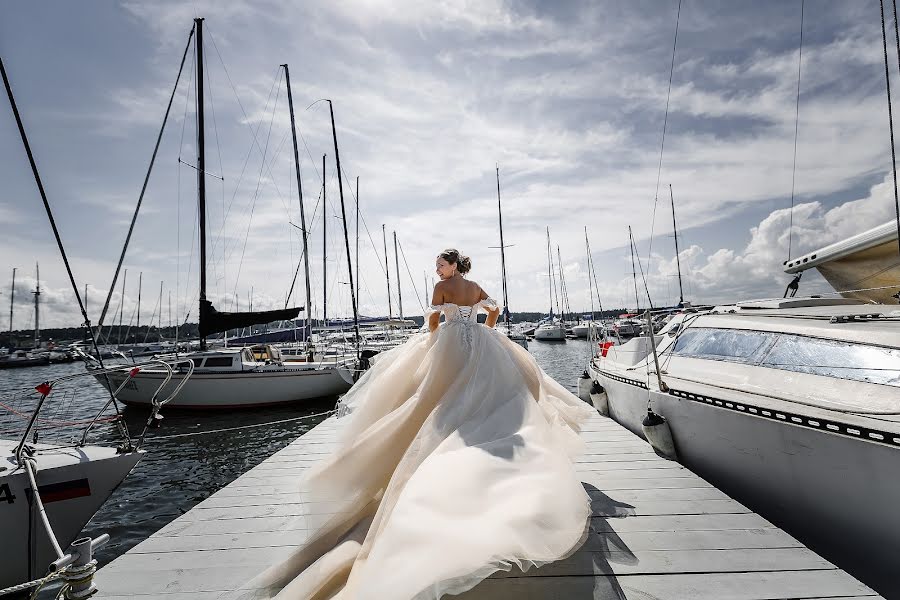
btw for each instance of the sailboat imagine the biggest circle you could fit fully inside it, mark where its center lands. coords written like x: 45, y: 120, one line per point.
x: 516, y: 337
x: 551, y: 330
x: 231, y: 377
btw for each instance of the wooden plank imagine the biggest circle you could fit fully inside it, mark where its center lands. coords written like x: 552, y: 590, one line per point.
x: 656, y: 562
x: 790, y: 585
x: 684, y: 522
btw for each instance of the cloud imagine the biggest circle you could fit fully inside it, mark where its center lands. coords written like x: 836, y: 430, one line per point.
x: 756, y: 270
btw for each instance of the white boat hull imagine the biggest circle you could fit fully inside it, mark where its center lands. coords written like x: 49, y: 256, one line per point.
x: 73, y: 483
x: 554, y: 333
x: 235, y: 389
x: 833, y: 490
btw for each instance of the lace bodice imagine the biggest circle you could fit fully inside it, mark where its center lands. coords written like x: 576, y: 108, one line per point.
x: 454, y: 313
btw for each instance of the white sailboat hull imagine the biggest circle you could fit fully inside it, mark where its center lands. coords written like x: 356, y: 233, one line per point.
x: 73, y: 483
x: 550, y: 333
x: 235, y: 389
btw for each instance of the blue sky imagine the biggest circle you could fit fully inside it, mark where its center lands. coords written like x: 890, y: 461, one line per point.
x: 568, y: 97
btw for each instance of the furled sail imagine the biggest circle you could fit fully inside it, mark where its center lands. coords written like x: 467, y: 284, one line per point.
x: 213, y: 321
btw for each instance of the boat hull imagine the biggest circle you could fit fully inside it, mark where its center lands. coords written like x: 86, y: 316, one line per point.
x: 830, y: 490
x: 73, y: 483
x: 239, y: 389
x: 550, y: 334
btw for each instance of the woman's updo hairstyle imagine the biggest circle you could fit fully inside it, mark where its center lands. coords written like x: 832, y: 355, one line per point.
x: 453, y: 256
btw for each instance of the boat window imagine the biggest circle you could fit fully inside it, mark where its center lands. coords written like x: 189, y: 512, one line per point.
x: 723, y: 344
x: 833, y: 358
x: 218, y: 361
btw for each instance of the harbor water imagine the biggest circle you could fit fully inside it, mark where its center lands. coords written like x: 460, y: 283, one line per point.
x: 194, y: 454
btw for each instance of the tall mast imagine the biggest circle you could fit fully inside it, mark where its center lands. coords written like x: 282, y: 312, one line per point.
x: 677, y: 253
x: 122, y: 308
x: 425, y: 287
x: 159, y: 321
x: 337, y: 160
x: 140, y: 281
x: 387, y: 271
x: 587, y: 247
x: 633, y: 272
x: 549, y: 274
x: 287, y: 78
x: 554, y: 287
x: 324, y: 250
x: 399, y: 287
x: 12, y: 296
x: 563, y: 292
x: 37, y: 306
x: 502, y: 255
x: 201, y: 169
x: 357, y: 236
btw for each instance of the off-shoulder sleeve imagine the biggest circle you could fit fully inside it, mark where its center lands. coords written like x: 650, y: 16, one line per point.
x: 488, y: 303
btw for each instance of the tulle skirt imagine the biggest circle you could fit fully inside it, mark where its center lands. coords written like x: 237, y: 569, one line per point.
x: 454, y: 461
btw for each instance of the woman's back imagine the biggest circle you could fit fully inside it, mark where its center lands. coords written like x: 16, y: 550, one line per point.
x: 459, y: 291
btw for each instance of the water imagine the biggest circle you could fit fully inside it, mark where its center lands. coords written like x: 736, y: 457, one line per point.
x: 178, y: 473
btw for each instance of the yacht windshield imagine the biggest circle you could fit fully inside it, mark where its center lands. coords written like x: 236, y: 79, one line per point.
x: 789, y: 352
x: 833, y: 358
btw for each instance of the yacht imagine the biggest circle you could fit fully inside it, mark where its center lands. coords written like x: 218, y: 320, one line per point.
x: 792, y: 406
x: 550, y: 331
x: 232, y: 378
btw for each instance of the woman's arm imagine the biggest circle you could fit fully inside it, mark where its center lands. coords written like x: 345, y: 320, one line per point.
x: 434, y: 317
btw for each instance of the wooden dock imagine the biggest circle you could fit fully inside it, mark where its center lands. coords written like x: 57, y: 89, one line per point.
x: 658, y: 531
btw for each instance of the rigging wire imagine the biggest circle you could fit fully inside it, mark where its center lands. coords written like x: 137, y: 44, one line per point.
x: 137, y: 208
x: 258, y: 183
x: 662, y: 143
x: 411, y: 278
x: 887, y: 79
x: 797, y: 127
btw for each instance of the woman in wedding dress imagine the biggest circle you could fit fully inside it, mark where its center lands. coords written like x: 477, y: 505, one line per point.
x: 453, y: 462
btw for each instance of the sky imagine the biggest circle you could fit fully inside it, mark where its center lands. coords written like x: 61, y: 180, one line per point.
x: 570, y: 100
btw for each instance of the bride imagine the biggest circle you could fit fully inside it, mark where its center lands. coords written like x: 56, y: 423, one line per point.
x: 453, y: 463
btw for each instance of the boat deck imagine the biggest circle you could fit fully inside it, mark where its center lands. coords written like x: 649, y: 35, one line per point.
x: 657, y: 531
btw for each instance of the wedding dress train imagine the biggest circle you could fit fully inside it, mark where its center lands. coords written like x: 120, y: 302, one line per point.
x: 454, y: 462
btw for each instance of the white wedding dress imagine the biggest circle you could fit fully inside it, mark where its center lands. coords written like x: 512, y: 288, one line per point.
x: 454, y: 462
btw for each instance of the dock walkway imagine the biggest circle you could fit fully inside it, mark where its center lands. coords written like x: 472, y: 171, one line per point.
x: 658, y: 531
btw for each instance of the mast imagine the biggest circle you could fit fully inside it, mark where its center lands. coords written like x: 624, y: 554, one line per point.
x: 324, y: 250
x: 502, y: 255
x: 287, y: 78
x: 633, y: 272
x: 553, y: 285
x: 563, y: 292
x: 337, y: 160
x: 387, y: 272
x: 399, y: 287
x: 37, y: 306
x: 549, y: 274
x: 140, y: 281
x: 677, y: 253
x: 425, y: 287
x: 122, y: 309
x: 86, y: 303
x: 357, y: 236
x: 587, y: 247
x: 12, y: 296
x: 201, y: 169
x: 159, y: 321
